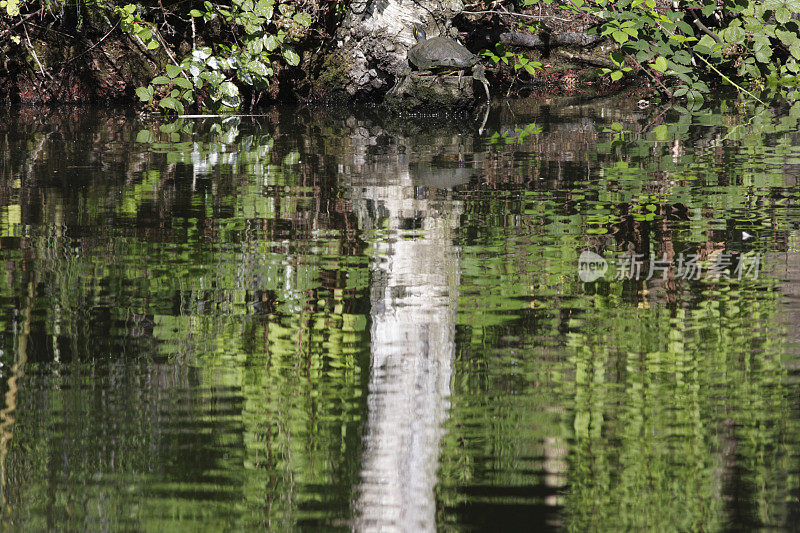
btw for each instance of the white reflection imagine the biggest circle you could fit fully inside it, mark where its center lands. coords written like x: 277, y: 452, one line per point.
x: 414, y: 292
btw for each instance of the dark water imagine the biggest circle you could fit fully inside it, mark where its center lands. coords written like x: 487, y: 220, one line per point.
x: 307, y: 320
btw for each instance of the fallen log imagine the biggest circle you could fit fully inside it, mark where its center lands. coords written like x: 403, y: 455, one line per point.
x: 588, y: 59
x: 529, y: 40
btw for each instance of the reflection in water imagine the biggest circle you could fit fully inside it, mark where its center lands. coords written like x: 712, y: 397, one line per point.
x: 413, y: 296
x: 299, y: 322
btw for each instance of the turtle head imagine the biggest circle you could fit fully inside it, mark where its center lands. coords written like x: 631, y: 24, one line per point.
x: 419, y: 32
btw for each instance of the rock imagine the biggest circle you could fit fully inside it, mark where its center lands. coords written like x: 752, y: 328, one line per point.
x: 424, y: 91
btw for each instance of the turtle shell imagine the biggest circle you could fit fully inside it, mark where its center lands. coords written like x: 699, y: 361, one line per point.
x: 440, y: 52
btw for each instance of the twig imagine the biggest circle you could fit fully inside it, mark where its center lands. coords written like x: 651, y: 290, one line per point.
x: 33, y: 53
x: 726, y: 78
x: 95, y: 44
x: 650, y: 75
x: 166, y: 48
x: 723, y: 76
x: 705, y: 29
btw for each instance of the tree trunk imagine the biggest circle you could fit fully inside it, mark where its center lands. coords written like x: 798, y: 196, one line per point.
x: 375, y: 37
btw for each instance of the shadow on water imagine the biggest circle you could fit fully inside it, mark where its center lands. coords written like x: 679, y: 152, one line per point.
x: 323, y: 320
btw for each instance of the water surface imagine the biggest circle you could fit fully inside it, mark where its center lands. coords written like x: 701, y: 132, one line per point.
x: 315, y: 320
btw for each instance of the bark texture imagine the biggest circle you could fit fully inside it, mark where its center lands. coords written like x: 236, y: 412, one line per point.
x: 376, y: 35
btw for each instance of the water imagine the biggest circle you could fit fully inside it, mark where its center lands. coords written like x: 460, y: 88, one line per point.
x: 308, y: 320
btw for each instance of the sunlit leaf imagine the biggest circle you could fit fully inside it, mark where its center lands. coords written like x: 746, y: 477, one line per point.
x: 290, y: 56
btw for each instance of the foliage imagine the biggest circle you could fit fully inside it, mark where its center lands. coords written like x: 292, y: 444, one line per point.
x: 264, y: 35
x: 519, y: 61
x: 685, y: 48
x: 603, y: 404
x: 739, y: 43
x: 517, y: 136
x: 502, y: 54
x: 212, y: 56
x: 256, y: 370
x: 132, y: 23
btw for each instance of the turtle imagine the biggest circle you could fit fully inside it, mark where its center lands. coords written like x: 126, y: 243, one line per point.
x: 440, y: 53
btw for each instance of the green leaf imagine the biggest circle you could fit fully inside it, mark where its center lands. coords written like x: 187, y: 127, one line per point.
x: 172, y: 103
x: 706, y: 41
x: 263, y: 8
x: 304, y: 19
x: 228, y: 89
x: 144, y: 136
x: 145, y: 94
x: 734, y: 34
x: 152, y: 45
x: 763, y: 54
x: 230, y: 94
x: 290, y: 56
x: 616, y: 75
x: 213, y: 77
x: 660, y: 64
x: 202, y: 54
x: 271, y: 42
x: 256, y: 46
x: 173, y: 70
x: 184, y: 83
x: 195, y: 13
x: 286, y: 10
x: 783, y: 15
x: 661, y: 131
x: 700, y: 49
x: 685, y: 28
x: 160, y: 80
x: 695, y: 97
x: 787, y: 37
x: 244, y: 76
x: 682, y: 57
x: 257, y: 67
